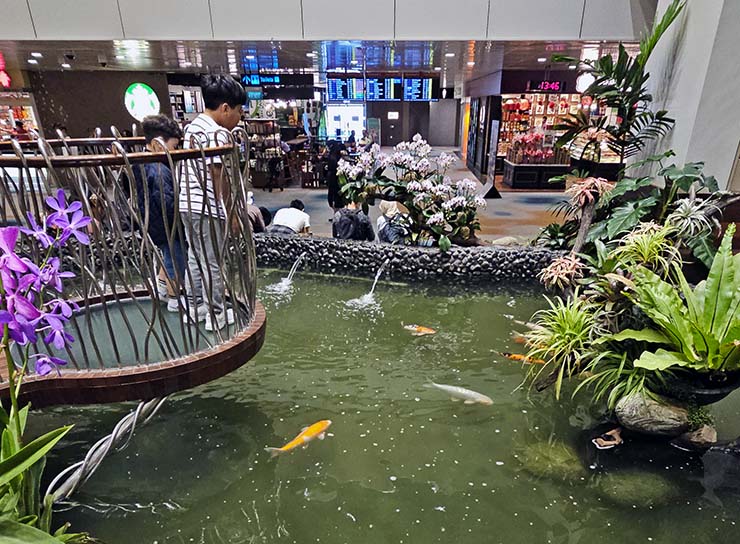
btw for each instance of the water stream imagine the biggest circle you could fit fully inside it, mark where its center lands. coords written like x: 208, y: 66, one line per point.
x: 405, y: 464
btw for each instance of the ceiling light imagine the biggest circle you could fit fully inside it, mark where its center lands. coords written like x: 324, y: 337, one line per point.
x: 354, y: 62
x: 542, y: 59
x: 449, y: 55
x: 66, y: 65
x: 311, y: 55
x: 249, y: 57
x: 437, y: 69
x: 471, y: 63
x: 572, y: 67
x: 32, y: 61
x: 36, y: 55
x: 120, y: 57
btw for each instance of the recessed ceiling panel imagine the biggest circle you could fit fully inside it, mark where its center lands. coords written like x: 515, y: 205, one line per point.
x: 441, y: 19
x: 16, y: 19
x: 166, y: 19
x: 332, y: 19
x: 75, y: 19
x: 615, y: 19
x: 257, y: 19
x: 535, y: 19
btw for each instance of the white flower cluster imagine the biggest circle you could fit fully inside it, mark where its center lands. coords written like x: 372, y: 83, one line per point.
x: 455, y: 202
x: 436, y: 219
x: 445, y: 160
x: 352, y: 171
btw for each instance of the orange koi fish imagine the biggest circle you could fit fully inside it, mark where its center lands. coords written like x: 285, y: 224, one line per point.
x: 317, y: 430
x: 523, y: 358
x: 419, y: 330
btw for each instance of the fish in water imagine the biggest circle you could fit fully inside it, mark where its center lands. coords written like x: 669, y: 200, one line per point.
x: 419, y: 330
x: 523, y: 358
x: 460, y: 393
x: 317, y: 430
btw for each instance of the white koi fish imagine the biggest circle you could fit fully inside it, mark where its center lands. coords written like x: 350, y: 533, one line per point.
x: 460, y: 393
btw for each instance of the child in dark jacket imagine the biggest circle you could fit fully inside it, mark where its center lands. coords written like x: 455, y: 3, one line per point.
x: 158, y: 198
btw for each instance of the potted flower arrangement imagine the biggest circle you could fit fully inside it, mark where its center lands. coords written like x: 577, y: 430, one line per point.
x: 32, y: 312
x: 441, y: 211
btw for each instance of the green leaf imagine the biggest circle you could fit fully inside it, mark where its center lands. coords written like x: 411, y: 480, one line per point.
x: 720, y: 287
x: 625, y: 217
x: 444, y: 243
x: 660, y: 360
x: 17, y: 533
x: 651, y: 159
x: 645, y: 335
x: 703, y: 249
x: 626, y: 185
x: 30, y: 454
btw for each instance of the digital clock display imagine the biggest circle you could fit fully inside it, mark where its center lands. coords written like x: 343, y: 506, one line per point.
x: 547, y: 86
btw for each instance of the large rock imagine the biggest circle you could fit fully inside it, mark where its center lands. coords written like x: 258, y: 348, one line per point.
x: 552, y: 459
x: 643, y: 414
x: 700, y: 439
x: 637, y: 488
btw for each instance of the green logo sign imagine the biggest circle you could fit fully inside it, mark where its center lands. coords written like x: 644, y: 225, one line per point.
x: 141, y: 100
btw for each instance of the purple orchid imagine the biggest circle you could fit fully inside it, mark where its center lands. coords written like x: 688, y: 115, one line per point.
x: 58, y: 337
x: 51, y: 276
x: 61, y: 210
x: 38, y: 231
x: 75, y: 226
x: 20, y: 329
x: 9, y: 259
x: 45, y: 364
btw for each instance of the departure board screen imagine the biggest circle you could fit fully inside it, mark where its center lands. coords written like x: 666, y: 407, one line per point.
x: 419, y: 89
x: 343, y: 89
x: 388, y: 89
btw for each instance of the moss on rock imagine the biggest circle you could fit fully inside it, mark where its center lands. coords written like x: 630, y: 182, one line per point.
x: 552, y: 459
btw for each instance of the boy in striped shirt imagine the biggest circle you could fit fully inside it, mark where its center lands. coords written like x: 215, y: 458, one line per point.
x: 204, y: 198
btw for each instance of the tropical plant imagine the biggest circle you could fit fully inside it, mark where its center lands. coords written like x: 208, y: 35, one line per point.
x: 649, y: 245
x: 557, y: 236
x: 562, y: 337
x: 620, y: 84
x: 32, y: 307
x: 562, y: 273
x: 612, y: 376
x: 700, y: 326
x: 441, y: 210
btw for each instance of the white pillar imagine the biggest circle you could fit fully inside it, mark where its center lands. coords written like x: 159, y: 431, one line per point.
x: 695, y: 75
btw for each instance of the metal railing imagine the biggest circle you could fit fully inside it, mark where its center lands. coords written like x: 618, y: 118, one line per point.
x: 122, y: 321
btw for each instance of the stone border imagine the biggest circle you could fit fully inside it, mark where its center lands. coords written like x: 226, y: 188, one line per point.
x: 410, y: 263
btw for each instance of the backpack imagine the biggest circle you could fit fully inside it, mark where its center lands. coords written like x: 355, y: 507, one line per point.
x: 395, y: 230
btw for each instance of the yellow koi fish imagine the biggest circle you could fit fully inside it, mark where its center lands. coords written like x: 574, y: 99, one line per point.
x: 523, y: 358
x: 317, y: 430
x: 419, y: 330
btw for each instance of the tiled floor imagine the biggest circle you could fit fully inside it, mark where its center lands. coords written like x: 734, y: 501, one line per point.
x: 518, y: 214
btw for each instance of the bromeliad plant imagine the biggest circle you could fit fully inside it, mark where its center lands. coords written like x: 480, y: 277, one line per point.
x: 32, y: 309
x: 440, y: 210
x: 698, y: 328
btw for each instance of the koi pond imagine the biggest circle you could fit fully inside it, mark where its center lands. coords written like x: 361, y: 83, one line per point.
x: 401, y: 463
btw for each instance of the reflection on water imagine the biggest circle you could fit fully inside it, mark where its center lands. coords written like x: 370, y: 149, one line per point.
x: 405, y: 464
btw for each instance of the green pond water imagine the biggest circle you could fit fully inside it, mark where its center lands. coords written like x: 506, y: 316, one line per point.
x: 403, y: 464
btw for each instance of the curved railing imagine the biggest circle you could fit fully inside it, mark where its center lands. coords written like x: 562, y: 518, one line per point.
x: 122, y: 327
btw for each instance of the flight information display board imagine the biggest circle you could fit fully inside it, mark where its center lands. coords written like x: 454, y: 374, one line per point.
x: 419, y: 89
x: 389, y: 89
x: 345, y: 89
